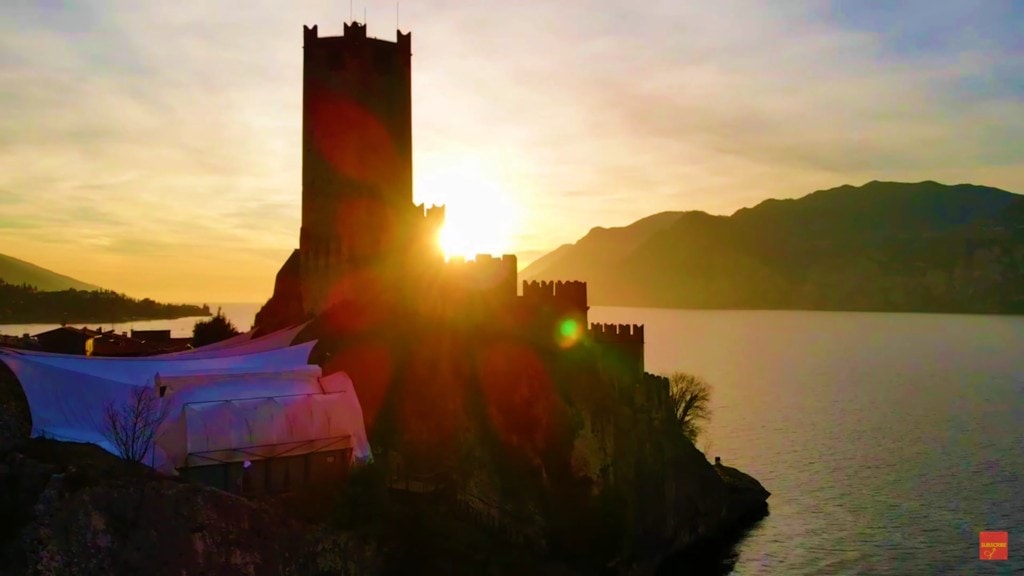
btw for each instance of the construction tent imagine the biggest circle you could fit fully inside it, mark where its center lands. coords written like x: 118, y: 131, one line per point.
x: 234, y: 417
x: 226, y: 409
x: 64, y: 404
x: 141, y: 368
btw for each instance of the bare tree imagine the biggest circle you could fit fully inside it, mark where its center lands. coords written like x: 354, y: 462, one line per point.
x: 131, y: 425
x: 691, y: 399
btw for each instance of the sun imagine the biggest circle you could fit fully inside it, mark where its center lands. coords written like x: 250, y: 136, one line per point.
x: 480, y: 215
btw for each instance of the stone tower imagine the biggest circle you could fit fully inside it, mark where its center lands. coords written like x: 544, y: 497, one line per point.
x: 356, y: 160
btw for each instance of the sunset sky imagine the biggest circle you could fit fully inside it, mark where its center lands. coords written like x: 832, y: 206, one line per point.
x: 154, y: 147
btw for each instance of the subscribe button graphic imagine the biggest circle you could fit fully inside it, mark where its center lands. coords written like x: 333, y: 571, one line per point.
x: 993, y: 545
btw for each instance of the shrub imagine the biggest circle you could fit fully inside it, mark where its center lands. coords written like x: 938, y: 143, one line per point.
x: 690, y: 400
x: 213, y: 330
x: 131, y: 425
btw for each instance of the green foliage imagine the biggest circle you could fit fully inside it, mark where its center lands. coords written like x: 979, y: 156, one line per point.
x: 24, y: 304
x: 213, y: 330
x: 690, y: 398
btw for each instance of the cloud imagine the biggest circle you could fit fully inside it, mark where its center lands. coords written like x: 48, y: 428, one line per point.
x: 166, y: 129
x: 9, y: 198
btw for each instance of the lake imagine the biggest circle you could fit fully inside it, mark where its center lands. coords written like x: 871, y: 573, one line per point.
x: 241, y: 314
x: 888, y: 441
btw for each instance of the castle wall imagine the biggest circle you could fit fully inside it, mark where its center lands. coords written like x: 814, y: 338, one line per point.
x: 489, y: 276
x: 624, y: 342
x: 562, y: 297
x: 361, y: 234
x: 356, y: 158
x: 357, y: 116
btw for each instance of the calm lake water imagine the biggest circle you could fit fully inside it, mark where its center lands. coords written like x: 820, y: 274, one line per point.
x: 242, y: 315
x: 888, y: 441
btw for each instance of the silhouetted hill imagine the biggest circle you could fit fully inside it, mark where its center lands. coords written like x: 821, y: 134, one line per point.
x: 26, y: 305
x: 14, y: 271
x: 602, y: 244
x: 883, y: 246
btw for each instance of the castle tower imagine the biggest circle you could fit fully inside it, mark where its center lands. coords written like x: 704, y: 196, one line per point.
x: 356, y: 158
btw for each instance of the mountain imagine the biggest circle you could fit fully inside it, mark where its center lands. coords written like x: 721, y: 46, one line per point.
x: 14, y: 271
x: 883, y: 246
x: 33, y: 295
x: 600, y: 245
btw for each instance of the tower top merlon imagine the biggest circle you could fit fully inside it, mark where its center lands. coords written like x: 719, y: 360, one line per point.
x: 309, y: 32
x: 355, y: 30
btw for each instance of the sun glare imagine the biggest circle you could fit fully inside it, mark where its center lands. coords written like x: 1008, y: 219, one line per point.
x: 480, y: 215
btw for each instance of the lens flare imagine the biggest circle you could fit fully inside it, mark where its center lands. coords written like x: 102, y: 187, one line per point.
x: 569, y: 332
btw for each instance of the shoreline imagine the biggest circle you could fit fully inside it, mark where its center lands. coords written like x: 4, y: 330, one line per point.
x: 78, y: 322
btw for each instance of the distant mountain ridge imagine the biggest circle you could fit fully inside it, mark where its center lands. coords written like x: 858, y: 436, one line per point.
x: 883, y: 246
x: 15, y: 271
x: 30, y: 294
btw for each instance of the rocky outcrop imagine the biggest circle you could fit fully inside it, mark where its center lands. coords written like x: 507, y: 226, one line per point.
x: 73, y: 509
x: 284, y: 308
x: 748, y: 497
x: 695, y: 514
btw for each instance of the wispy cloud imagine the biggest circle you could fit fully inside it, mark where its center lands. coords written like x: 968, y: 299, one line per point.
x: 160, y: 142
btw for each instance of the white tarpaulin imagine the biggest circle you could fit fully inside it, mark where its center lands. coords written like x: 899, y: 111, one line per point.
x: 234, y: 430
x: 66, y: 405
x: 139, y: 370
x: 260, y: 415
x: 263, y: 397
x: 239, y: 383
x: 350, y: 411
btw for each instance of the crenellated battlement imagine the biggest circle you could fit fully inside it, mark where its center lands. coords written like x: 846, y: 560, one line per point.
x: 497, y: 274
x: 617, y: 332
x: 310, y: 33
x: 404, y: 41
x: 566, y: 296
x: 434, y: 211
x: 571, y: 290
x: 355, y: 30
x: 624, y: 342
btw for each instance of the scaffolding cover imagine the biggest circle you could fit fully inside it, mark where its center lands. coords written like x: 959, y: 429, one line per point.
x: 236, y: 430
x: 235, y: 403
x: 141, y: 369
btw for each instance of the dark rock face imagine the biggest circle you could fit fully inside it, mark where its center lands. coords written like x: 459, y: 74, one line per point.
x: 73, y: 509
x: 697, y: 510
x: 748, y: 497
x: 15, y: 419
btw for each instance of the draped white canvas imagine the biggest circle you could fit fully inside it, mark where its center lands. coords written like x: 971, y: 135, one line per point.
x: 270, y: 401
